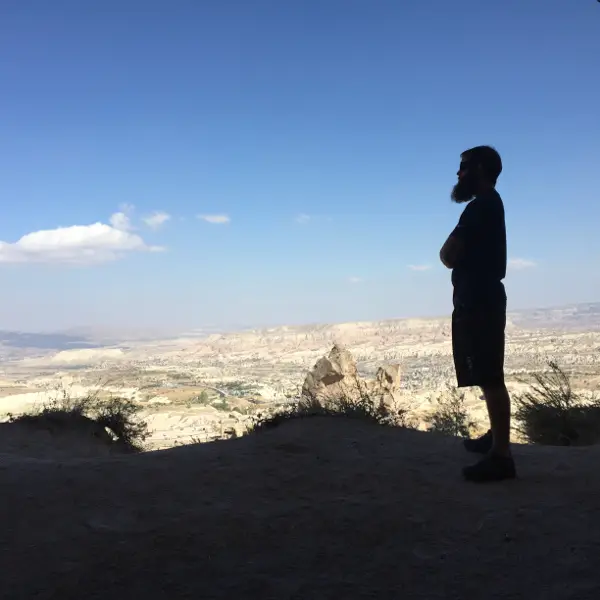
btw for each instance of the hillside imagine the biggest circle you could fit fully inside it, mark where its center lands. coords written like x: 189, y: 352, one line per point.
x: 316, y: 508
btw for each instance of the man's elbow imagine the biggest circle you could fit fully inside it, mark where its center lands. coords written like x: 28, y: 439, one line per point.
x: 450, y: 252
x: 446, y: 260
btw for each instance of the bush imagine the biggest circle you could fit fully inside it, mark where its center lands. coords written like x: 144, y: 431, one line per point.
x: 450, y: 416
x: 58, y: 410
x: 362, y: 406
x: 221, y: 404
x: 551, y: 413
x: 118, y: 415
x: 202, y: 398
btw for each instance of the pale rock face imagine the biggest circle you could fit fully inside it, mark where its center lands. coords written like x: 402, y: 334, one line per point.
x: 388, y: 378
x: 331, y: 374
x: 386, y: 385
x: 336, y: 375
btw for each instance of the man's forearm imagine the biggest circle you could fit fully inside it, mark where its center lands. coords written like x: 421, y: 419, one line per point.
x: 451, y: 251
x: 445, y: 259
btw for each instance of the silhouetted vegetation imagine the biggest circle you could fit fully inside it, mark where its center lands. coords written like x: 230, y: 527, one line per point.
x: 361, y: 405
x: 450, y: 415
x: 118, y: 415
x: 552, y: 413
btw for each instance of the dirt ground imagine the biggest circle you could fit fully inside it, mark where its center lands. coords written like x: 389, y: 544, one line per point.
x: 323, y: 508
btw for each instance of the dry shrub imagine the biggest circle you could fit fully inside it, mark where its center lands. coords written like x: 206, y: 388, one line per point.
x: 361, y: 405
x: 118, y: 415
x: 552, y: 413
x: 450, y: 416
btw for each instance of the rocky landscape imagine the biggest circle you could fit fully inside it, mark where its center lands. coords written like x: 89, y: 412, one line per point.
x: 206, y: 385
x: 318, y: 507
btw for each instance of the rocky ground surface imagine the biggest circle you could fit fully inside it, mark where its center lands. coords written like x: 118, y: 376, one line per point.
x: 321, y: 508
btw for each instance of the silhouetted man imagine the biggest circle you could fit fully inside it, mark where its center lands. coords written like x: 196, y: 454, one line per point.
x: 476, y: 253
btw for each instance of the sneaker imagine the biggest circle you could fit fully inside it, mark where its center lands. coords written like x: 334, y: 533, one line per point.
x: 480, y: 445
x: 491, y: 468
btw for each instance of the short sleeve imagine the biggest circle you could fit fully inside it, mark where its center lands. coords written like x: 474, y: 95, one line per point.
x: 474, y: 220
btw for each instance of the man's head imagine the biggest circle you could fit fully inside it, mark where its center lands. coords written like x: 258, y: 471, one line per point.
x: 479, y: 169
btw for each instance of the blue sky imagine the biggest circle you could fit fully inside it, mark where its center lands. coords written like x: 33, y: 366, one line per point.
x: 322, y: 136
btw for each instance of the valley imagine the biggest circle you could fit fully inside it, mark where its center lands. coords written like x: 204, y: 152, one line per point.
x: 203, y: 386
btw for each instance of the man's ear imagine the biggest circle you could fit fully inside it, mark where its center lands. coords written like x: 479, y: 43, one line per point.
x: 481, y: 171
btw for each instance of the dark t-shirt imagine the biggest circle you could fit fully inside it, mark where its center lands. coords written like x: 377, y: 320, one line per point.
x: 477, y: 278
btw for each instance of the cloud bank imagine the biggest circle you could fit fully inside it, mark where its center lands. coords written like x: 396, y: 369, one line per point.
x: 77, y: 244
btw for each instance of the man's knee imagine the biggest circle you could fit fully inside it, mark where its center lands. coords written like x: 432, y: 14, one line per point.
x: 494, y: 390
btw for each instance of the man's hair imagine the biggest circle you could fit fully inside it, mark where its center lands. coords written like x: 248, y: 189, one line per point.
x: 488, y: 158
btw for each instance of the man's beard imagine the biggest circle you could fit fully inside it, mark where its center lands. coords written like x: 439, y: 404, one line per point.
x: 464, y: 190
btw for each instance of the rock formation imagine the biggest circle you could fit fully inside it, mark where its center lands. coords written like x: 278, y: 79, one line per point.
x: 386, y: 386
x: 335, y: 375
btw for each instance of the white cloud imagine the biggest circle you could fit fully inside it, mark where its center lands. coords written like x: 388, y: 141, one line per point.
x: 215, y: 219
x: 157, y: 219
x: 302, y: 219
x: 355, y: 280
x: 120, y: 221
x: 520, y: 263
x: 77, y: 244
x: 419, y: 267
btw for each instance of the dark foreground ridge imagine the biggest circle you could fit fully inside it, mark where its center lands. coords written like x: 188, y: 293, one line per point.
x: 321, y: 508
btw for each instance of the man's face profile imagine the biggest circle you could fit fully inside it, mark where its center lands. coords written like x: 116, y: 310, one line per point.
x: 466, y: 187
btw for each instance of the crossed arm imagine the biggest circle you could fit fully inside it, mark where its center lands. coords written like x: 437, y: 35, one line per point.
x: 452, y: 251
x: 465, y: 235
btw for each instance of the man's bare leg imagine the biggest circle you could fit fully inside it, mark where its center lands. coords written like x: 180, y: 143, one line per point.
x: 498, y: 406
x: 498, y: 464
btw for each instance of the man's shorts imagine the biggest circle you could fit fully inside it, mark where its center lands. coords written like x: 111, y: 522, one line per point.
x: 478, y: 338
